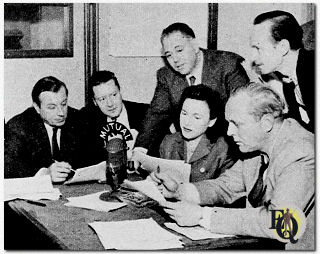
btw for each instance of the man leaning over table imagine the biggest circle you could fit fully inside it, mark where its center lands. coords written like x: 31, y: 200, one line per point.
x: 187, y: 64
x: 286, y: 149
x: 45, y: 138
x: 283, y: 63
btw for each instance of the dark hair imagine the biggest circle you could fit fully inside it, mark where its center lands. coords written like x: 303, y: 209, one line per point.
x: 284, y: 26
x: 45, y: 84
x: 214, y: 102
x: 100, y: 77
x: 178, y: 27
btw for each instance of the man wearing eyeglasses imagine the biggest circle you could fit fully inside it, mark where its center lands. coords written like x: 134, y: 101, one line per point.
x: 107, y: 106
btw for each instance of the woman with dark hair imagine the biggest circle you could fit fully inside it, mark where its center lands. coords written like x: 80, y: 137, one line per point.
x: 200, y: 141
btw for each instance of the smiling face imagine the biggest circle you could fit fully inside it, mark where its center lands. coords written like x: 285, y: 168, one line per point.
x: 245, y: 130
x: 194, y: 118
x: 180, y: 52
x: 108, y: 98
x: 267, y: 55
x: 53, y: 107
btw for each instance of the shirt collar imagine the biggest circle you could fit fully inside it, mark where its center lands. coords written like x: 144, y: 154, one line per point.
x: 197, y: 71
x: 289, y: 66
x: 122, y: 118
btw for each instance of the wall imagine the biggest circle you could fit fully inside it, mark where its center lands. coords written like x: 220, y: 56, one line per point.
x: 137, y: 75
x: 20, y: 75
x: 235, y: 22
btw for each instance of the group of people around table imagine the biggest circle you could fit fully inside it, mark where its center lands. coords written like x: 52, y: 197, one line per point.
x: 203, y: 100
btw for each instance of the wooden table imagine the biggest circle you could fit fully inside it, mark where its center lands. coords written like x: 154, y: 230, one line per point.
x: 68, y: 227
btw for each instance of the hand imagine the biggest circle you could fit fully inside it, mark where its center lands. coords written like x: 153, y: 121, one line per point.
x: 59, y: 171
x: 184, y: 213
x: 165, y: 184
x: 135, y: 158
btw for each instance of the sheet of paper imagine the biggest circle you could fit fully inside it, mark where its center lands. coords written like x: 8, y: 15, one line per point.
x: 91, y: 173
x: 177, y: 169
x: 147, y: 187
x: 92, y: 201
x: 143, y: 234
x: 37, y: 187
x: 194, y: 233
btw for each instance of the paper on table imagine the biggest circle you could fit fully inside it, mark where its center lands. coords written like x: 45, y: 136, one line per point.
x: 95, y: 172
x: 92, y: 201
x: 177, y: 169
x: 194, y: 233
x: 35, y: 188
x: 143, y: 234
x: 147, y: 187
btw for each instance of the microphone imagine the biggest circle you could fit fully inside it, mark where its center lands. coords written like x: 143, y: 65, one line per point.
x: 116, y: 161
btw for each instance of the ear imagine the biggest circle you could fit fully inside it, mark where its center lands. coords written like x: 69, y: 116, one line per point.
x: 36, y: 107
x: 283, y: 46
x: 267, y: 122
x: 212, y: 122
x: 195, y: 44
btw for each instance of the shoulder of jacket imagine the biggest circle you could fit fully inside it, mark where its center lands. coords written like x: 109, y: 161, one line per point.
x: 227, y: 55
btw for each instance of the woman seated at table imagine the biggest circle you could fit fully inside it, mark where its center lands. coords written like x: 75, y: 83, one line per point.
x: 200, y: 141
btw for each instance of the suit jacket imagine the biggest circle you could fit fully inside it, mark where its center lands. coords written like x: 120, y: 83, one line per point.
x: 289, y: 180
x: 27, y: 144
x: 208, y: 161
x: 93, y: 120
x: 222, y: 72
x: 306, y: 80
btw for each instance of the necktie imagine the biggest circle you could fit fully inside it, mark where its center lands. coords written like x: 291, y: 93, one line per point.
x: 257, y: 192
x: 55, y: 146
x: 192, y: 80
x: 289, y: 95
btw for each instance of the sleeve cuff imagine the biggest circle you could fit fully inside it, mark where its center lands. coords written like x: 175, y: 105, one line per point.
x: 141, y: 149
x: 205, y: 220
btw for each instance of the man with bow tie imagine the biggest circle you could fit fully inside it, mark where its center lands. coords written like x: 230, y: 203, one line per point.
x: 45, y: 138
x: 283, y: 63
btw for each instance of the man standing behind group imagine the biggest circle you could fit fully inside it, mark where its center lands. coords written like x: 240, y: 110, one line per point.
x: 278, y: 54
x: 45, y: 138
x: 188, y: 65
x: 107, y: 106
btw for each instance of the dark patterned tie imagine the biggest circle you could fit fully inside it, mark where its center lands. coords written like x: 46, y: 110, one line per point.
x: 192, y: 80
x: 289, y: 95
x: 55, y: 146
x: 257, y: 192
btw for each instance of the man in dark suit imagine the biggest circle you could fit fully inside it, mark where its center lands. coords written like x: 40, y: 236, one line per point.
x: 107, y: 106
x: 45, y: 138
x: 187, y: 65
x: 278, y: 54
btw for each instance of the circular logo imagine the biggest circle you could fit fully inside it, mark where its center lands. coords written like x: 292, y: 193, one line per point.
x: 288, y: 223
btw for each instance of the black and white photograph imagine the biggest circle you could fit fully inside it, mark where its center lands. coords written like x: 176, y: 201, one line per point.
x: 147, y: 126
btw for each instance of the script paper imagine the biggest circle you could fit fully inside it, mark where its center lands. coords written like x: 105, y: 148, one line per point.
x: 147, y: 187
x: 194, y: 233
x: 34, y: 188
x: 91, y: 173
x: 177, y: 169
x: 143, y: 234
x: 92, y: 201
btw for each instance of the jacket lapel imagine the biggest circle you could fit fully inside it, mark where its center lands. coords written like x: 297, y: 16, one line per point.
x: 202, y: 149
